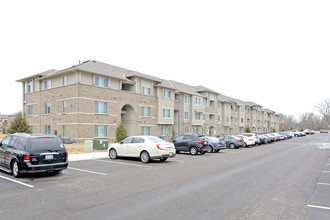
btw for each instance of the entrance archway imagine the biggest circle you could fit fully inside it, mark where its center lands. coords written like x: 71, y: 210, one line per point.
x: 128, y: 119
x: 212, y: 131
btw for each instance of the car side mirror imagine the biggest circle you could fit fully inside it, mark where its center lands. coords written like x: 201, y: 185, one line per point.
x: 121, y: 142
x: 173, y: 141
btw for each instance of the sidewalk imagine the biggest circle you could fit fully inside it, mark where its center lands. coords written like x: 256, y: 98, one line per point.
x: 88, y: 156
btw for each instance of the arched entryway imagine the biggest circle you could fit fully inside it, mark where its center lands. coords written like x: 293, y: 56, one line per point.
x: 212, y: 131
x: 128, y: 118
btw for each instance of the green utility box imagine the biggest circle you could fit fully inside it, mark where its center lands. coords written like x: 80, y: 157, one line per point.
x: 88, y: 146
x: 100, y: 144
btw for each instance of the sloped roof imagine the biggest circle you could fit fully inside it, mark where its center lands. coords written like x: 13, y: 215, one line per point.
x: 185, y: 88
x: 96, y: 67
x: 39, y: 75
x: 158, y: 81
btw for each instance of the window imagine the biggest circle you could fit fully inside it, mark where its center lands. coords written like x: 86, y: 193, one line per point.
x: 30, y: 86
x: 146, y: 90
x: 163, y: 131
x: 100, y: 131
x: 219, y: 118
x: 204, y: 102
x: 64, y: 107
x: 166, y: 113
x: 195, y: 130
x: 63, y: 130
x: 186, y: 130
x: 198, y: 101
x: 47, y: 129
x: 186, y: 99
x: 64, y: 80
x: 145, y: 130
x: 166, y: 93
x: 186, y: 115
x: 227, y: 119
x: 242, y: 120
x: 31, y: 129
x: 146, y: 111
x: 101, y: 107
x: 30, y: 109
x: 101, y: 81
x: 138, y: 140
x: 219, y: 105
x: 242, y: 109
x: 198, y: 116
x: 228, y: 107
x: 203, y: 130
x: 47, y: 84
x: 47, y: 108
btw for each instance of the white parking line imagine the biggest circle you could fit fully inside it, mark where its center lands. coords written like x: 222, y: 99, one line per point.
x: 87, y: 171
x: 326, y: 184
x: 15, y: 181
x: 129, y: 164
x: 326, y: 171
x: 319, y: 207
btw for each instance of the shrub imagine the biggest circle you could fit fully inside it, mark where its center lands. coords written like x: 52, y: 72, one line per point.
x: 121, y: 133
x: 247, y: 129
x: 19, y: 125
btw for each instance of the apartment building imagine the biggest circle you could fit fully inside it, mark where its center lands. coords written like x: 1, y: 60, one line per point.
x: 88, y: 101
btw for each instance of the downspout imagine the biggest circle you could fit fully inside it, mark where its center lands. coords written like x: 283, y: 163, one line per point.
x: 77, y: 102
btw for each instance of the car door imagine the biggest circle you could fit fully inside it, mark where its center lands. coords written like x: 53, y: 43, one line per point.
x: 9, y: 151
x: 123, y: 147
x: 178, y: 143
x: 135, y: 147
x: 3, y: 149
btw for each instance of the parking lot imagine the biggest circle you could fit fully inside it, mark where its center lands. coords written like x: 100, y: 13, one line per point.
x: 285, y: 180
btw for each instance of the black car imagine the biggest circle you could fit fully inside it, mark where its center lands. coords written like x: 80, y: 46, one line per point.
x: 25, y: 153
x: 232, y: 142
x: 191, y: 143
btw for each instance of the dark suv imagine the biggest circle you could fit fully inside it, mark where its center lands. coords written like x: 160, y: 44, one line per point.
x: 191, y: 143
x: 26, y: 153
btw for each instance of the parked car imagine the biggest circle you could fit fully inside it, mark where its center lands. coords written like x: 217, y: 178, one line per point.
x: 144, y: 147
x: 324, y: 131
x: 252, y: 135
x: 232, y: 142
x: 309, y: 131
x: 191, y: 143
x: 297, y: 133
x: 26, y: 153
x: 215, y: 145
x: 271, y: 138
x: 248, y: 140
x: 263, y: 139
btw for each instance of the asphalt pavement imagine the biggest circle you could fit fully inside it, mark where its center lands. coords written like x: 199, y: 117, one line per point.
x: 285, y: 180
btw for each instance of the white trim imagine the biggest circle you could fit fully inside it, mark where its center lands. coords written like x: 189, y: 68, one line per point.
x: 87, y: 171
x: 319, y: 207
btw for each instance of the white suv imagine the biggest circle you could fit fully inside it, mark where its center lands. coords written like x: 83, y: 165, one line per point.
x: 250, y: 139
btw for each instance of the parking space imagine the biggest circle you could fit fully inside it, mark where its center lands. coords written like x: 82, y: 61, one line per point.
x: 319, y: 205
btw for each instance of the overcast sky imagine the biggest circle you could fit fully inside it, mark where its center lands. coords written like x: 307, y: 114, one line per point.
x: 274, y: 53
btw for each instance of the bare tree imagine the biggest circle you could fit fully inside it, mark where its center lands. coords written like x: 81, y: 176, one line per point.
x: 324, y: 109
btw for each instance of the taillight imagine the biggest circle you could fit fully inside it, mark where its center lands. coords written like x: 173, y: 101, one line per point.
x: 238, y: 140
x: 158, y: 146
x: 27, y: 158
x: 200, y: 143
x: 219, y: 143
x: 66, y: 154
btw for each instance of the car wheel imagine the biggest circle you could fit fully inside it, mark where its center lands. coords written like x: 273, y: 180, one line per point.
x: 217, y: 151
x: 15, y: 169
x: 113, y: 153
x: 232, y: 146
x: 210, y: 150
x: 145, y: 157
x: 193, y: 150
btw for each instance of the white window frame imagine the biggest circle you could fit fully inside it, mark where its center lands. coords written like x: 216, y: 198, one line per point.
x: 47, y: 84
x: 100, y: 131
x: 186, y: 99
x: 99, y: 79
x: 65, y: 80
x: 47, y: 108
x: 145, y: 111
x: 166, y: 113
x: 166, y: 93
x: 30, y: 86
x: 100, y: 107
x: 145, y: 130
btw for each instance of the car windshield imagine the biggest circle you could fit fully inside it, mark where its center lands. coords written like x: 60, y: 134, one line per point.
x: 45, y: 144
x: 156, y: 140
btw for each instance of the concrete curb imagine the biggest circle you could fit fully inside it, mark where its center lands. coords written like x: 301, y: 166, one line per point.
x: 88, y: 156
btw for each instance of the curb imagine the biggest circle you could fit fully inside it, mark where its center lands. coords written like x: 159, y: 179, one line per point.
x: 88, y: 156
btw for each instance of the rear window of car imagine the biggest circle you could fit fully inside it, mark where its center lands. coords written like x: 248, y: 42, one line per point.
x: 156, y: 140
x: 45, y: 144
x: 212, y: 139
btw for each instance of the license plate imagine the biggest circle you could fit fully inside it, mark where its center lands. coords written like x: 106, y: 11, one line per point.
x: 49, y: 156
